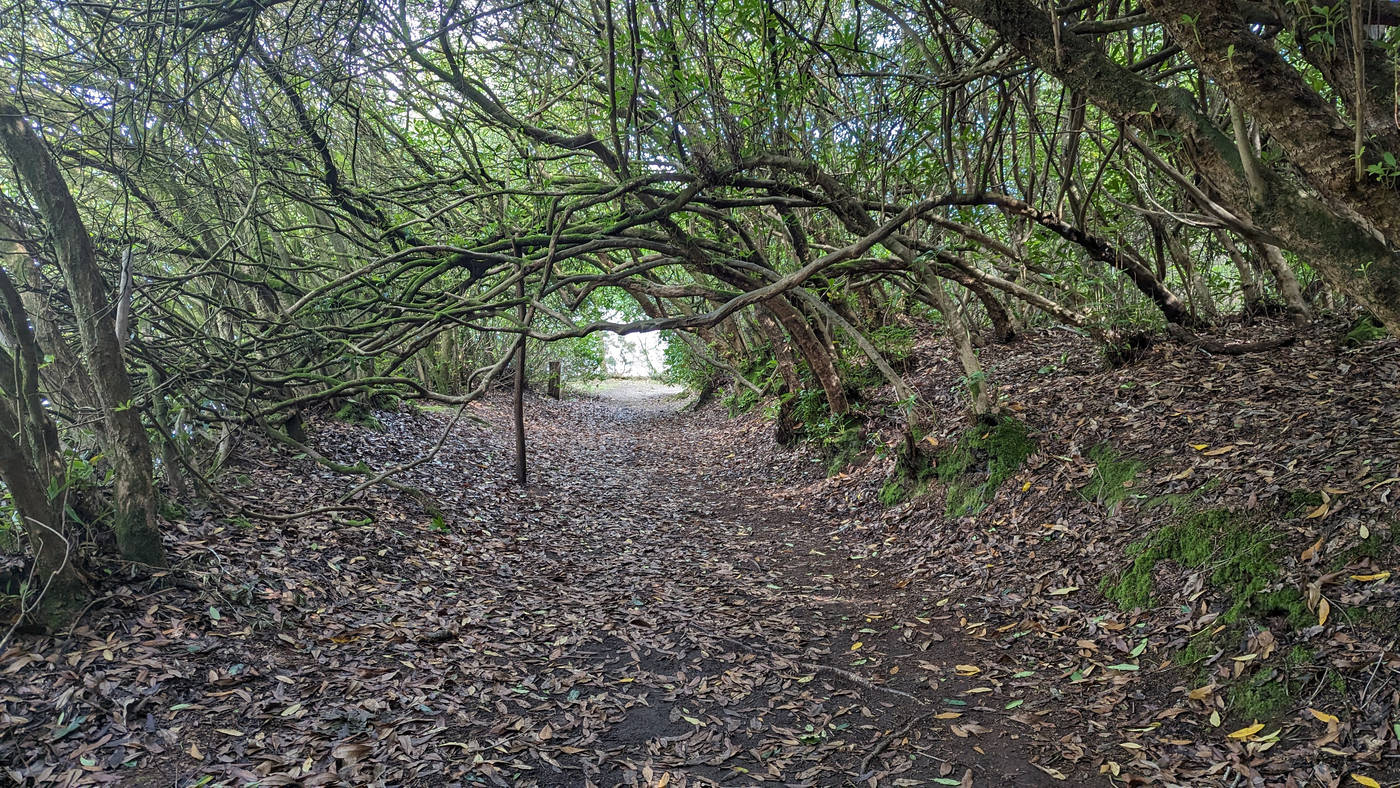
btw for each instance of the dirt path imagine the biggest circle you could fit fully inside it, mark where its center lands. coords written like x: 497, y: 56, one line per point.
x: 760, y: 656
x: 660, y: 607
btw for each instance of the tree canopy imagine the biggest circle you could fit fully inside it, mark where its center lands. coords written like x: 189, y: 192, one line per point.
x: 214, y: 217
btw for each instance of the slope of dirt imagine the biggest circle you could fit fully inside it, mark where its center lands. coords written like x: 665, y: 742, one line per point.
x: 643, y: 614
x: 1298, y: 448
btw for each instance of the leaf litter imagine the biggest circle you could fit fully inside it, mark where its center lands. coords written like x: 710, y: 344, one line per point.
x: 641, y: 614
x: 677, y: 601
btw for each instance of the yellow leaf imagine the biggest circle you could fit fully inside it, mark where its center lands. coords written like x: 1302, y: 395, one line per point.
x: 664, y: 781
x: 1199, y: 446
x: 856, y: 645
x: 1320, y: 511
x: 1323, y: 608
x: 1366, y: 781
x: 1026, y: 486
x: 1365, y: 532
x: 947, y: 715
x: 1323, y: 716
x: 1215, y: 719
x: 967, y: 670
x: 1369, y: 578
x: 1245, y: 733
x: 1244, y: 658
x: 1219, y: 451
x: 1311, y: 553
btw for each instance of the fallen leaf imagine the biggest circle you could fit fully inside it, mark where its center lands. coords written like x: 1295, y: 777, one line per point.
x: 1323, y: 716
x: 1245, y: 733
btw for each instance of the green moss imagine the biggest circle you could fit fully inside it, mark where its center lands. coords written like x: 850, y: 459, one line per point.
x: 1113, y: 476
x: 983, y: 458
x: 1338, y: 681
x: 1240, y: 555
x: 1261, y: 696
x: 1298, y: 656
x: 893, y: 492
x: 1367, y: 329
x: 172, y: 510
x: 1200, y: 646
x: 1381, y: 545
x: 1299, y: 502
x: 358, y: 413
x: 1285, y: 602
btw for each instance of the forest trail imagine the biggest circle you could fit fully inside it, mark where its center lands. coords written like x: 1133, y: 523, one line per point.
x: 655, y: 609
x: 748, y: 653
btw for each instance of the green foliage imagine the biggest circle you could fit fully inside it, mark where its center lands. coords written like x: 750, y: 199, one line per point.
x: 741, y: 400
x: 1113, y: 476
x: 1367, y: 329
x: 983, y: 457
x: 894, y: 342
x: 10, y: 531
x: 684, y: 367
x: 840, y: 439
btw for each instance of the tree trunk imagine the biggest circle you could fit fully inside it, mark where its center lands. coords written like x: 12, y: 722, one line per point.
x: 32, y: 471
x: 518, y: 395
x: 133, y: 491
x: 1286, y: 282
x: 1250, y: 289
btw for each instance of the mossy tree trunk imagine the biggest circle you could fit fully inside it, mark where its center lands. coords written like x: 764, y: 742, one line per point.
x: 133, y: 489
x: 31, y: 469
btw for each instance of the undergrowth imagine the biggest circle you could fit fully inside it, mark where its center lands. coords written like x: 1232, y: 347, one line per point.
x: 1366, y: 329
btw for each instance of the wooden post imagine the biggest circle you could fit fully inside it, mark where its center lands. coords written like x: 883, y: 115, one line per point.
x: 521, y: 476
x: 555, y: 370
